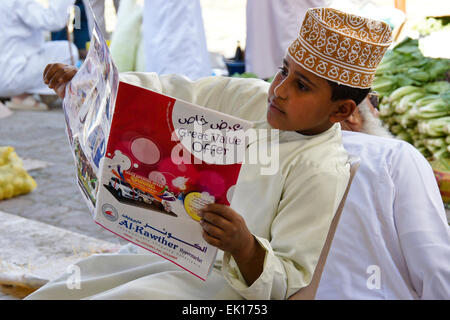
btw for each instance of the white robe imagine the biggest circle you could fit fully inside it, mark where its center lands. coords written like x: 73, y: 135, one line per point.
x: 98, y: 7
x: 174, y: 38
x: 271, y: 27
x: 127, y: 44
x: 289, y: 212
x: 24, y: 52
x: 393, y: 239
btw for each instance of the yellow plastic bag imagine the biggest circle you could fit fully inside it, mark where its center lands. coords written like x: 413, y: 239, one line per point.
x: 14, y: 179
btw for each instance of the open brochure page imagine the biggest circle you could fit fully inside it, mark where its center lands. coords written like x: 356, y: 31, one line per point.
x: 88, y: 107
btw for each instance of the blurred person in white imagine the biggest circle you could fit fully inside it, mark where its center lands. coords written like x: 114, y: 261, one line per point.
x: 98, y: 6
x: 393, y: 239
x: 24, y: 53
x: 174, y: 38
x: 271, y: 27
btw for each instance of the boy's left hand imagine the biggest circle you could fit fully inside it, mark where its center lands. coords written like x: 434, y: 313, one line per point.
x: 225, y: 229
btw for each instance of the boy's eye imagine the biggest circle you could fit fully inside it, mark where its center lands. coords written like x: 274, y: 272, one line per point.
x: 301, y: 86
x: 283, y: 71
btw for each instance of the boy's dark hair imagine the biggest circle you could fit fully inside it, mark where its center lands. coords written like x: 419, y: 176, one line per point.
x: 339, y: 91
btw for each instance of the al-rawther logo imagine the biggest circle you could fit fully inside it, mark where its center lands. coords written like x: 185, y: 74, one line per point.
x: 110, y: 212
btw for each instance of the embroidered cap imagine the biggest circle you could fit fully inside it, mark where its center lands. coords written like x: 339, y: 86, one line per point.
x: 340, y: 46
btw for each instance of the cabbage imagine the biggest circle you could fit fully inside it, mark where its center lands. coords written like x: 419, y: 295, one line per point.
x: 434, y: 127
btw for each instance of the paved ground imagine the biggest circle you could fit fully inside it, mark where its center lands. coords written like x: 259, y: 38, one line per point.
x: 57, y: 200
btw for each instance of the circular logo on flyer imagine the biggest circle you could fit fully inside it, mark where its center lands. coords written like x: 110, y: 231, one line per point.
x: 194, y: 201
x: 109, y: 212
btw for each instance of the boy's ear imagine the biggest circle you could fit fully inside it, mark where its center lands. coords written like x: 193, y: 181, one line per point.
x: 353, y: 119
x: 344, y: 109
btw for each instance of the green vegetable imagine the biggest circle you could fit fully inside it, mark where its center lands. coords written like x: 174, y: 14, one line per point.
x: 407, y: 46
x: 407, y: 121
x: 418, y: 74
x: 427, y: 26
x: 426, y: 100
x: 405, y: 65
x: 438, y: 86
x: 384, y: 84
x: 434, y: 127
x: 436, y: 142
x: 401, y: 92
x: 435, y: 109
x: 396, y: 129
x: 438, y: 68
x: 405, y: 136
x: 406, y: 102
x: 415, y: 98
x: 439, y: 153
x: 385, y: 110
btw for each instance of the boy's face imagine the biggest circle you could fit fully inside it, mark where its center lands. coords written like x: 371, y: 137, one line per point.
x: 299, y: 100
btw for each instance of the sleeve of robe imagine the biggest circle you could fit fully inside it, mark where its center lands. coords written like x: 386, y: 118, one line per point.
x: 298, y: 234
x: 421, y: 225
x: 291, y: 255
x: 36, y: 16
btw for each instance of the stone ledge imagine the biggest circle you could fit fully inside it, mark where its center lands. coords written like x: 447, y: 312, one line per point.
x: 34, y: 253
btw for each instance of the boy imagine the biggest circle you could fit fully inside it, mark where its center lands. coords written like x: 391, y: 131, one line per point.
x: 274, y: 230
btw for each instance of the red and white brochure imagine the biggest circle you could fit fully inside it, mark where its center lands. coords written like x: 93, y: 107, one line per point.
x: 165, y: 159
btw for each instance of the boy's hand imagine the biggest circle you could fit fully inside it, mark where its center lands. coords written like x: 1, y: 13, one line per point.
x: 57, y: 75
x: 225, y: 229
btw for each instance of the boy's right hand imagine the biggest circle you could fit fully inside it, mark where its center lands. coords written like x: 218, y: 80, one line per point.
x: 57, y: 75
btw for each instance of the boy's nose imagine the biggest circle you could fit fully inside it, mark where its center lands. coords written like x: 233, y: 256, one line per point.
x: 280, y: 90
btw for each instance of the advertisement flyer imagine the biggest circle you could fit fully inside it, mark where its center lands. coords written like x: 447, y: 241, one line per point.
x: 165, y: 160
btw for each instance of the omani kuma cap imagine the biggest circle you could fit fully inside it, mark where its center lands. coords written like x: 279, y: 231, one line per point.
x: 341, y: 47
